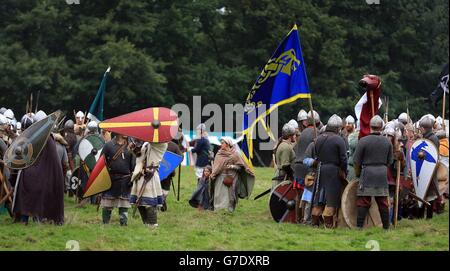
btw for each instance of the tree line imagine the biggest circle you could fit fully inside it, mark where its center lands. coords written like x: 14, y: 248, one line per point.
x: 165, y: 52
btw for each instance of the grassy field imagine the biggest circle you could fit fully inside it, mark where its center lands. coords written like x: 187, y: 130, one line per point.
x: 182, y: 227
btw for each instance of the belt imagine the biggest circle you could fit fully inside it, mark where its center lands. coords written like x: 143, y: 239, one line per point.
x: 120, y: 174
x: 374, y: 164
x: 329, y: 163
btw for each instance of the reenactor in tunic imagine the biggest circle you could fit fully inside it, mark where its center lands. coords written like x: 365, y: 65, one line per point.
x: 373, y: 155
x: 331, y: 154
x: 146, y: 193
x: 426, y: 128
x: 302, y: 119
x: 166, y: 183
x: 79, y: 126
x: 120, y: 162
x: 284, y: 155
x: 300, y: 170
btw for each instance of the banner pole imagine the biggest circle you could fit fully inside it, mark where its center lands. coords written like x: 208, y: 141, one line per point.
x: 312, y: 115
x: 443, y: 112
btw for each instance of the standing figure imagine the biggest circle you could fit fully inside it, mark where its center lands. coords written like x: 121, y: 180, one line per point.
x: 426, y: 128
x: 167, y: 182
x: 40, y: 187
x: 120, y: 162
x: 373, y: 155
x: 201, y: 148
x: 79, y: 126
x: 232, y: 178
x: 332, y: 155
x: 146, y: 193
x: 300, y: 169
x: 284, y: 156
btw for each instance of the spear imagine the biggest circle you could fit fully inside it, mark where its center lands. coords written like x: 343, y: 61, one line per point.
x: 31, y: 103
x: 37, y: 102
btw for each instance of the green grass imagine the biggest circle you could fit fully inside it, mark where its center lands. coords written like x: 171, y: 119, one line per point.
x: 182, y: 227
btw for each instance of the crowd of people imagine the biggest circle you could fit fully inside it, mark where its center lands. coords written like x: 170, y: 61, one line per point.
x: 132, y: 165
x: 321, y: 159
x: 318, y: 159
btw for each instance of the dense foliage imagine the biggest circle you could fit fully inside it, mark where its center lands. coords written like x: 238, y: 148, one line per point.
x: 164, y: 52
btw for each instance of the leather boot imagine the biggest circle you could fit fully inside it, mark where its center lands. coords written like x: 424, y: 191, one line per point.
x: 298, y: 212
x: 106, y: 215
x: 315, y: 220
x: 329, y: 221
x: 307, y: 213
x: 143, y: 214
x: 152, y: 218
x: 429, y: 210
x: 384, y: 214
x: 362, y: 213
x: 123, y: 214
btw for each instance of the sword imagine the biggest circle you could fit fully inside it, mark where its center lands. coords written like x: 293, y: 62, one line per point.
x: 263, y: 194
x: 141, y: 192
x: 267, y: 191
x: 15, y: 190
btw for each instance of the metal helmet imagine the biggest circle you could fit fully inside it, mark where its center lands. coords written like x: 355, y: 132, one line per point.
x: 377, y: 122
x: 314, y: 115
x: 441, y: 134
x: 3, y: 120
x: 334, y: 122
x: 40, y: 115
x: 426, y: 122
x: 26, y: 121
x: 350, y: 120
x: 302, y: 115
x: 92, y: 126
x: 79, y: 114
x: 9, y: 114
x: 389, y: 131
x: 293, y: 123
x: 403, y: 118
x: 287, y: 130
x: 69, y: 125
x: 437, y: 125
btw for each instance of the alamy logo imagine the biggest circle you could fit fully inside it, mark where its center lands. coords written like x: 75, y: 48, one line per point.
x: 73, y: 2
x: 373, y: 2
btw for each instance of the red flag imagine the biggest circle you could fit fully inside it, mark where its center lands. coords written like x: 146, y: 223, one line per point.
x: 370, y: 102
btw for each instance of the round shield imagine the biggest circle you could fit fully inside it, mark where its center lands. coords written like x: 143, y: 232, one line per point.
x: 282, y: 203
x: 90, y: 149
x: 442, y: 175
x: 26, y: 148
x: 155, y: 124
x: 350, y: 210
x: 424, y: 160
x: 78, y: 181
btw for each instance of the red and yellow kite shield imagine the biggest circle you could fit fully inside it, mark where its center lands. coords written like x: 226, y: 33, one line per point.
x: 99, y: 180
x: 155, y: 124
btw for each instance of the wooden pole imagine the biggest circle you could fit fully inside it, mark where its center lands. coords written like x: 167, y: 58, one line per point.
x: 397, y: 194
x: 179, y: 179
x: 312, y: 115
x: 443, y: 111
x: 37, y: 101
x: 372, y: 102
